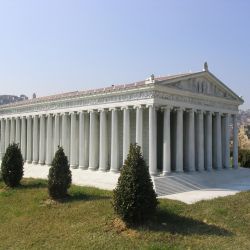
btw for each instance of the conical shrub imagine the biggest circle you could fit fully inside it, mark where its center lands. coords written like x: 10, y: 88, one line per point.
x: 12, y: 166
x: 59, y: 178
x: 134, y: 198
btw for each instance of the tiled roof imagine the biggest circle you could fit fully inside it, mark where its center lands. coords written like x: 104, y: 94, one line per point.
x: 73, y: 94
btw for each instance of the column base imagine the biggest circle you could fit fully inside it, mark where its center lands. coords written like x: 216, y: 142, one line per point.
x: 153, y: 173
x: 28, y: 161
x: 165, y: 173
x: 93, y: 168
x: 114, y: 171
x: 35, y: 162
x: 74, y: 166
x: 83, y: 167
x: 41, y: 163
x: 103, y: 169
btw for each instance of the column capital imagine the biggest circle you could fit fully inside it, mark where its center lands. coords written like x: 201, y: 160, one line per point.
x: 139, y: 106
x: 93, y: 111
x: 200, y: 111
x: 127, y: 107
x: 103, y: 109
x: 114, y: 108
x: 167, y: 107
x: 178, y: 108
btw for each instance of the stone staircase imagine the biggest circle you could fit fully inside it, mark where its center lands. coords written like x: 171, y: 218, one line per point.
x: 225, y: 179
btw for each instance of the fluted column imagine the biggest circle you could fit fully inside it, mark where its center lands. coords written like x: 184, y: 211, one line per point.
x: 12, y: 130
x: 83, y: 140
x: 179, y: 140
x: 7, y: 133
x: 166, y: 142
x: 152, y: 140
x: 94, y: 141
x: 2, y: 146
x: 18, y: 132
x: 208, y: 141
x: 23, y: 138
x: 217, y: 145
x: 114, y: 163
x: 200, y: 140
x: 42, y: 137
x: 235, y: 142
x: 57, y: 132
x: 35, y: 157
x: 190, y: 141
x: 29, y: 139
x: 65, y: 134
x: 126, y: 132
x: 73, y: 142
x: 139, y: 126
x: 103, y: 165
x: 226, y: 142
x: 49, y: 145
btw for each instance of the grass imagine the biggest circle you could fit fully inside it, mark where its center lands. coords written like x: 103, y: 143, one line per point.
x: 29, y: 220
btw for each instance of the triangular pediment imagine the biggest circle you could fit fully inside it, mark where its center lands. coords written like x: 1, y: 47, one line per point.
x: 202, y: 83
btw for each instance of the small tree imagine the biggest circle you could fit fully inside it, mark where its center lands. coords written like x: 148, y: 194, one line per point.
x: 59, y: 178
x: 12, y: 166
x: 134, y: 198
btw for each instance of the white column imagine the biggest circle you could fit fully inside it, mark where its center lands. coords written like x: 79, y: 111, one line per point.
x: 49, y: 145
x: 7, y: 133
x: 35, y: 140
x: 18, y: 131
x: 200, y: 140
x: 12, y: 130
x: 23, y: 138
x: 83, y: 140
x: 94, y: 141
x: 208, y: 141
x: 29, y: 139
x: 179, y: 140
x: 65, y: 134
x: 139, y: 126
x: 56, y: 132
x: 235, y: 142
x: 190, y: 141
x: 226, y: 142
x: 2, y: 147
x: 103, y: 165
x: 114, y: 166
x: 166, y: 142
x: 42, y: 137
x: 73, y: 142
x: 218, y: 153
x: 152, y: 140
x: 126, y: 132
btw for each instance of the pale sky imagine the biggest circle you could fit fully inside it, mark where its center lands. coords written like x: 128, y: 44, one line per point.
x: 54, y: 46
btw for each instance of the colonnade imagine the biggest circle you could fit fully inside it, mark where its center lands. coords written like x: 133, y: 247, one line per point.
x: 172, y: 139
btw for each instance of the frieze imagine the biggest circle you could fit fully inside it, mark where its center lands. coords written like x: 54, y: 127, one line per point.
x: 79, y: 102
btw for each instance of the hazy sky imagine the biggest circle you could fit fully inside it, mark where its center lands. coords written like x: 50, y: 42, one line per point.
x: 54, y: 46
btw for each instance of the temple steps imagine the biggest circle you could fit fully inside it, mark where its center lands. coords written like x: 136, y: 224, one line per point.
x: 190, y: 181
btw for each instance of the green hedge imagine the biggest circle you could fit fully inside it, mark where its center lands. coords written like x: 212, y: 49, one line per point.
x: 244, y: 158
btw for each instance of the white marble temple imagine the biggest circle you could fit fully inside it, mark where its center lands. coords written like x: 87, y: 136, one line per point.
x: 180, y: 121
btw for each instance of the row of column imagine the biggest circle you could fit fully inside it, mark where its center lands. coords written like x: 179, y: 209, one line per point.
x: 86, y: 142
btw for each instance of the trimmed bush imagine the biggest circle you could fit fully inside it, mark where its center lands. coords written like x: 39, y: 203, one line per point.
x: 59, y: 178
x: 134, y: 198
x: 12, y: 166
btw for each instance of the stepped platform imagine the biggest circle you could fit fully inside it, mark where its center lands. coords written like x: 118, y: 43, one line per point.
x: 188, y: 187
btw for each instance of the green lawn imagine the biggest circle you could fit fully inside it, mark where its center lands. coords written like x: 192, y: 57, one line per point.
x: 29, y: 220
